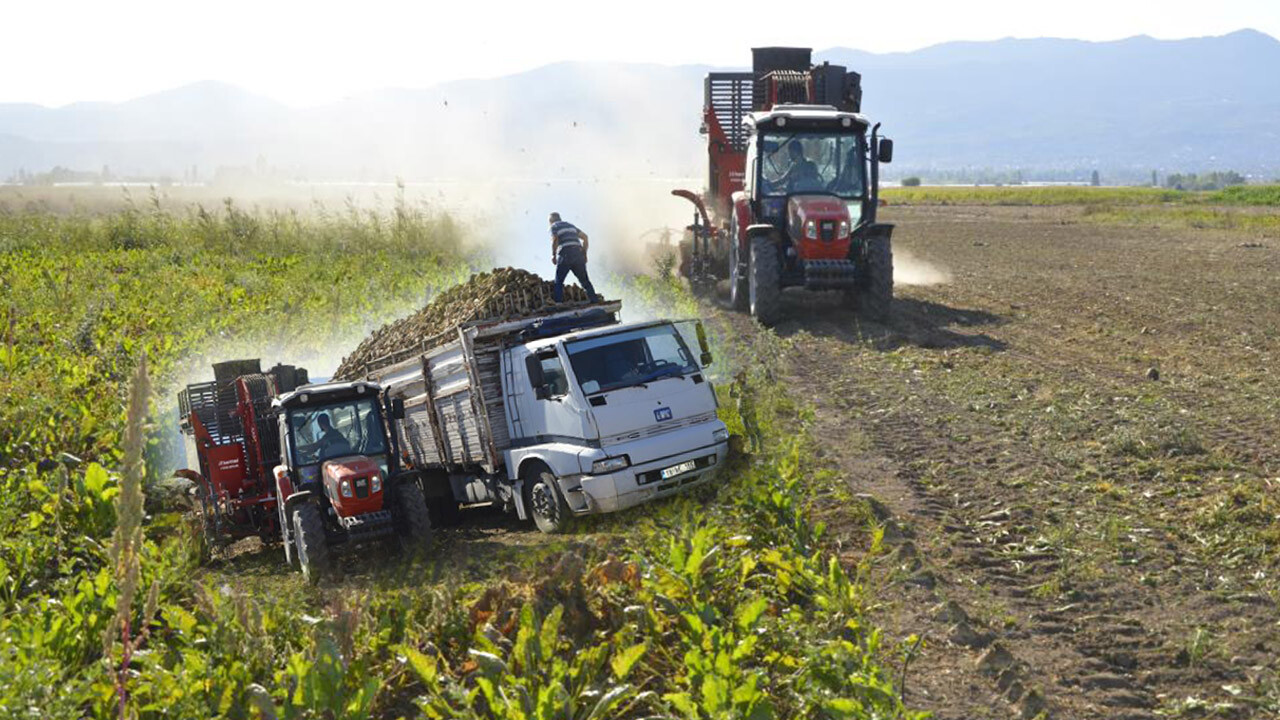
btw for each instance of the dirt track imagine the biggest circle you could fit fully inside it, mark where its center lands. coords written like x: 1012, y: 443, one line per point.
x: 1069, y: 533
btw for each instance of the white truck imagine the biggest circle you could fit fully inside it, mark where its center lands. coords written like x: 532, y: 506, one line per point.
x: 566, y: 413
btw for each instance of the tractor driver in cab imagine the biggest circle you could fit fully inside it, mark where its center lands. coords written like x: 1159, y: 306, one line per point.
x: 802, y: 175
x: 332, y: 442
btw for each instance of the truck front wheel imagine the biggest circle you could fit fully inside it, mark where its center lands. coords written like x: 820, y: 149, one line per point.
x: 309, y: 541
x: 544, y: 503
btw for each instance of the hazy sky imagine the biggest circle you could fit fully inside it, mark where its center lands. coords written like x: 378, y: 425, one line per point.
x: 57, y: 51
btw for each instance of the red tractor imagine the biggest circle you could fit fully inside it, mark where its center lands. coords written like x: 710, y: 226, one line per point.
x: 313, y: 466
x: 792, y: 188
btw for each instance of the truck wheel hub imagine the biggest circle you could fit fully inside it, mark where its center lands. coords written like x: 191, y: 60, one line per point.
x: 543, y: 503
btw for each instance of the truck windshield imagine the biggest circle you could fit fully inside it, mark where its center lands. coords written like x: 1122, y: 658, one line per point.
x: 324, y: 432
x: 812, y: 162
x: 628, y: 358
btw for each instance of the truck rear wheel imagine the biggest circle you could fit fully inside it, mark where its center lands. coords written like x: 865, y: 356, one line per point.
x: 309, y: 541
x: 763, y: 277
x: 544, y: 503
x: 414, y: 521
x: 875, y: 294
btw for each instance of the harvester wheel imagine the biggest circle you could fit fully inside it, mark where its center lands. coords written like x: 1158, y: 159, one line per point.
x: 208, y: 521
x: 309, y: 541
x: 875, y: 294
x: 415, y: 523
x: 737, y: 281
x: 544, y: 502
x: 763, y: 277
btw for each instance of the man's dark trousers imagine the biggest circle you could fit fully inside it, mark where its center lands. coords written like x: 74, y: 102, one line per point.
x: 572, y: 259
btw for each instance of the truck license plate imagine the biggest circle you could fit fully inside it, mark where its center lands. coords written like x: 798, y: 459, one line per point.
x: 675, y: 470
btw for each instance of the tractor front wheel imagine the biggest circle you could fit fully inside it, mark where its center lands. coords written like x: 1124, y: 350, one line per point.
x: 763, y: 277
x: 415, y: 522
x: 309, y: 541
x: 875, y: 295
x: 738, y: 284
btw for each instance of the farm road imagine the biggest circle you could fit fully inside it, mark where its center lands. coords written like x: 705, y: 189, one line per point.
x: 1076, y: 445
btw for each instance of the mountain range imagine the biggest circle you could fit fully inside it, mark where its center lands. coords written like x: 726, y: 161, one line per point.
x: 1042, y: 106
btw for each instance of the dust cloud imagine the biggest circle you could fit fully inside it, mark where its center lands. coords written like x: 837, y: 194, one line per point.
x: 911, y: 270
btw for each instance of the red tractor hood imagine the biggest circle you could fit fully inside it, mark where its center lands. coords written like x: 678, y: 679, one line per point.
x: 359, y: 473
x: 829, y: 215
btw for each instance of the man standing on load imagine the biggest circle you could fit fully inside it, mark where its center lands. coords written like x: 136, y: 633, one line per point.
x: 569, y: 253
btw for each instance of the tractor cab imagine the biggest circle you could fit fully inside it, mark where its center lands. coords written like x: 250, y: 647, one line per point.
x: 807, y: 176
x: 339, y: 481
x: 334, y: 441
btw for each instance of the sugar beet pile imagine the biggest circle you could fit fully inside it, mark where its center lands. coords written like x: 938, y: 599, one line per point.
x: 502, y: 293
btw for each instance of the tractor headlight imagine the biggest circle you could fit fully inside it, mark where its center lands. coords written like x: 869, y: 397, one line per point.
x: 345, y: 488
x: 811, y: 230
x: 375, y: 485
x: 844, y: 229
x: 720, y: 435
x: 610, y: 464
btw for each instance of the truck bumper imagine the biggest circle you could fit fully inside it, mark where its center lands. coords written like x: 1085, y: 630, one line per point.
x: 659, y: 478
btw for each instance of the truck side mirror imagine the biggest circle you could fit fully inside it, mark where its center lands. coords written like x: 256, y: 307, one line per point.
x: 397, y: 408
x: 703, y: 346
x: 536, y: 377
x: 886, y: 151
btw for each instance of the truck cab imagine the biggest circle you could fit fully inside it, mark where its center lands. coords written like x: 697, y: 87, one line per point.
x: 614, y: 416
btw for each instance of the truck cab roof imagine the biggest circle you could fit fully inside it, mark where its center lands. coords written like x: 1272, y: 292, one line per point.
x: 326, y: 392
x: 594, y: 332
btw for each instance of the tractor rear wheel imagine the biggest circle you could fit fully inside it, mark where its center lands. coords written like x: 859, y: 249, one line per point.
x: 309, y: 541
x: 738, y: 288
x: 875, y: 294
x: 763, y: 276
x: 415, y: 522
x: 544, y: 503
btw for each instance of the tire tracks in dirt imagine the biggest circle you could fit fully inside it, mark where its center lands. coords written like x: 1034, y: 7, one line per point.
x: 1019, y: 616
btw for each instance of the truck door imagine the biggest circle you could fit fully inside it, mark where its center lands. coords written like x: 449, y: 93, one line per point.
x: 550, y: 409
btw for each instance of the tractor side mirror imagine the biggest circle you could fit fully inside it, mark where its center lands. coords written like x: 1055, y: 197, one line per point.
x: 886, y: 151
x: 397, y: 408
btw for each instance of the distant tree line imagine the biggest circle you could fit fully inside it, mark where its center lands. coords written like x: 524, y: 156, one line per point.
x: 1206, y: 181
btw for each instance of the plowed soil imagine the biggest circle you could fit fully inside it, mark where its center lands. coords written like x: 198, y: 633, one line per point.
x: 1075, y: 445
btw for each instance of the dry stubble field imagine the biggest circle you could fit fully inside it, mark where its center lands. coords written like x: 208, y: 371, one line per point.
x: 1075, y: 445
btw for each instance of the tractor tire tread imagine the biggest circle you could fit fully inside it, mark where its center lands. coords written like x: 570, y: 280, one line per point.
x: 875, y: 298
x: 416, y: 519
x: 313, y: 546
x: 763, y: 274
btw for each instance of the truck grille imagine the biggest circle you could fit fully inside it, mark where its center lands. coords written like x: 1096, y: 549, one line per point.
x: 827, y: 230
x: 655, y: 430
